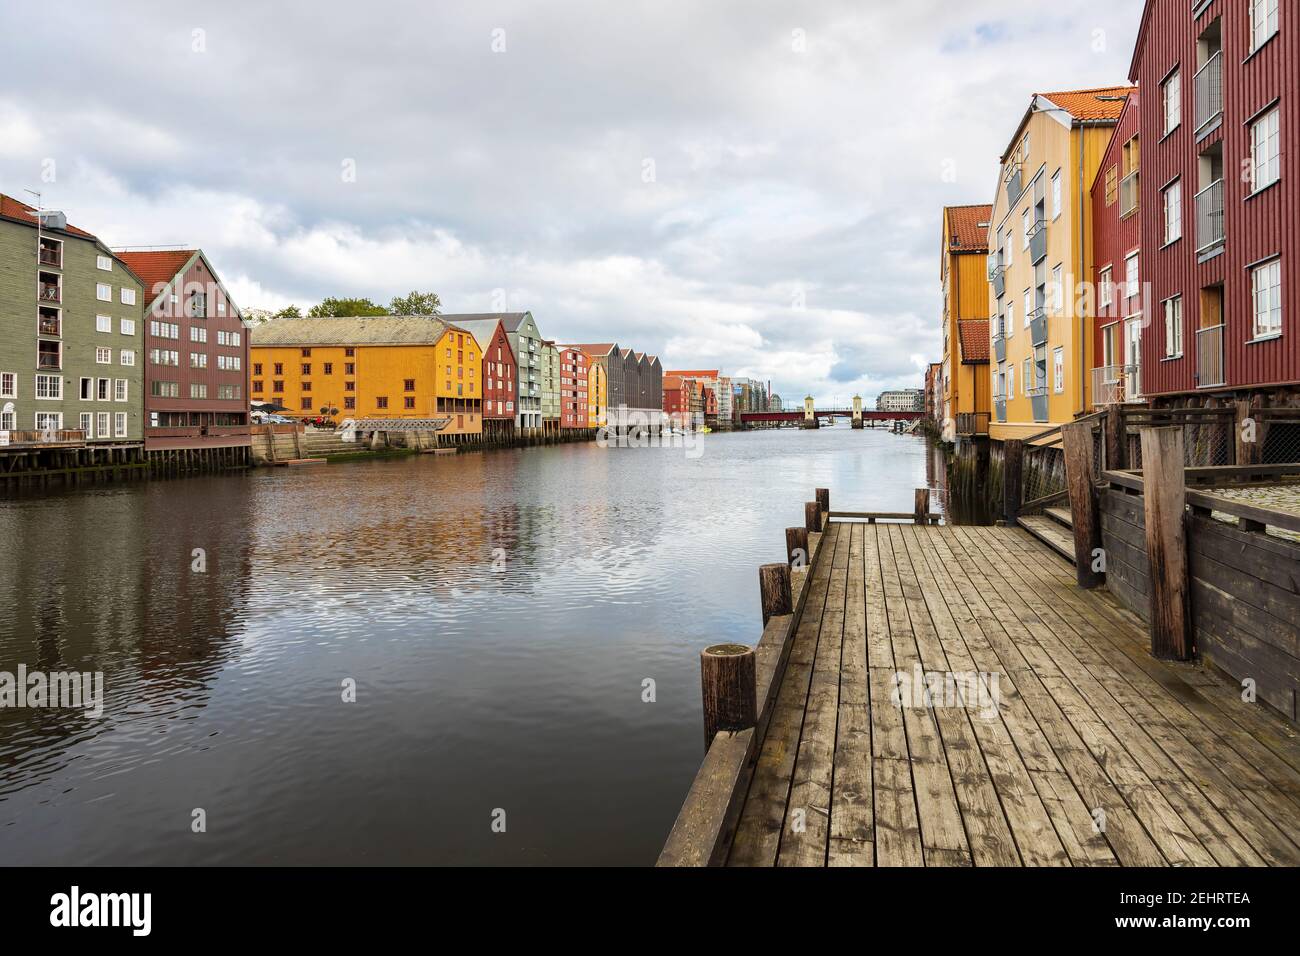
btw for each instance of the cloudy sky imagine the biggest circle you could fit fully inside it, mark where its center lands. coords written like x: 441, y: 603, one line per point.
x: 751, y: 185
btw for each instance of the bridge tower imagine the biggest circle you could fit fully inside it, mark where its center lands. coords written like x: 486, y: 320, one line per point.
x: 810, y: 413
x: 857, y: 411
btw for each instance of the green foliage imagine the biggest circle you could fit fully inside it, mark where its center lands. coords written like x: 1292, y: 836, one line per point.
x: 289, y: 312
x: 417, y: 303
x: 332, y: 307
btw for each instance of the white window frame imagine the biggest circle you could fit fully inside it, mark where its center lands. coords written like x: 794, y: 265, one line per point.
x: 103, y: 355
x: 1270, y: 125
x: 1106, y: 287
x: 1058, y: 288
x: 1172, y: 202
x: 1056, y: 195
x: 1011, y: 382
x: 1028, y: 300
x: 127, y: 296
x: 103, y: 424
x: 1172, y: 309
x: 1271, y: 296
x: 1132, y: 275
x: 121, y: 390
x: 56, y: 425
x: 87, y: 423
x: 1058, y: 370
x: 126, y: 357
x: 1263, y: 18
x: 8, y: 384
x: 104, y: 263
x: 1172, y: 107
x: 53, y: 387
x: 103, y: 292
x: 127, y: 327
x: 1026, y: 227
x: 119, y: 425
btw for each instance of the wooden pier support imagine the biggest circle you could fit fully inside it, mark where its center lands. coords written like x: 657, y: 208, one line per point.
x: 796, y: 547
x: 812, y: 516
x: 728, y: 684
x: 1164, y: 511
x: 921, y: 509
x: 823, y: 496
x: 1085, y: 515
x: 1116, y: 440
x: 774, y: 590
x: 1013, y: 456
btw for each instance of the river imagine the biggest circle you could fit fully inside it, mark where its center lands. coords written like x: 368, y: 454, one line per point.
x: 498, y: 613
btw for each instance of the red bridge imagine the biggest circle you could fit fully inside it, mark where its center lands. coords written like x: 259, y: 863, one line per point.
x: 835, y: 413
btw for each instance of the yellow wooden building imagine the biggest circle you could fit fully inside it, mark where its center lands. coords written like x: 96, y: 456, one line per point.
x: 597, y: 396
x: 964, y: 388
x: 1040, y: 260
x: 370, y: 367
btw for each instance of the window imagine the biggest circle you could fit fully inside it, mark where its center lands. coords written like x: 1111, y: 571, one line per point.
x: 277, y: 385
x: 1058, y: 370
x: 1112, y: 186
x: 1011, y: 381
x: 198, y: 360
x: 104, y: 262
x: 306, y: 353
x: 257, y: 368
x: 257, y: 385
x: 1171, y: 93
x: 1173, y: 199
x: 349, y: 353
x: 305, y: 386
x: 103, y: 292
x: 1026, y: 227
x: 198, y: 334
x: 1174, y: 327
x: 1056, y: 195
x: 1058, y: 289
x: 1010, y: 327
x: 349, y: 386
x: 228, y: 392
x: 128, y: 296
x: 350, y: 401
x: 381, y: 401
x: 1105, y: 286
x: 408, y: 385
x: 1029, y: 374
x: 1131, y: 282
x: 349, y: 368
x: 103, y: 386
x: 126, y: 357
x: 103, y: 323
x: 198, y: 390
x: 409, y: 402
x: 119, y: 424
x: 1029, y: 306
x: 87, y: 424
x: 1265, y: 150
x: 161, y: 389
x: 8, y: 385
x: 103, y: 356
x: 127, y: 327
x: 49, y: 420
x: 1263, y: 21
x: 329, y: 368
x: 1008, y: 248
x: 164, y: 330
x: 120, y: 387
x: 1266, y: 298
x: 279, y: 368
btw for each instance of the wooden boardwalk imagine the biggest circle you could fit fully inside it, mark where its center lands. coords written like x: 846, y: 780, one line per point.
x: 1095, y: 753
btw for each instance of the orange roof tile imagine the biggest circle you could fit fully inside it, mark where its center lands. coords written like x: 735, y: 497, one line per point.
x: 19, y: 211
x: 974, y: 336
x: 1102, y: 103
x: 968, y: 228
x: 693, y: 373
x: 156, y: 268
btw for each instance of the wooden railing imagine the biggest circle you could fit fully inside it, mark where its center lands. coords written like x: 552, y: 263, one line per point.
x: 972, y: 423
x: 60, y: 436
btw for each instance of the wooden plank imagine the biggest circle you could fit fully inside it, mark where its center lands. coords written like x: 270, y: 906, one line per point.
x: 1166, y: 539
x: 1076, y: 440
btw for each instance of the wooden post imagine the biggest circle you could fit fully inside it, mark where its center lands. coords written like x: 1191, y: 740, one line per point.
x: 796, y: 547
x: 921, y: 506
x: 1164, y: 507
x: 823, y: 496
x: 728, y: 686
x: 812, y: 516
x: 774, y: 590
x: 1076, y: 442
x: 1116, y: 439
x: 1013, y: 456
x: 1246, y: 452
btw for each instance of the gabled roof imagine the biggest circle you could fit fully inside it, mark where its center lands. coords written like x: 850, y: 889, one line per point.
x: 968, y: 228
x: 483, y: 330
x: 599, y: 348
x: 1101, y: 104
x: 973, y: 335
x: 672, y: 382
x: 18, y: 211
x: 1138, y: 47
x: 692, y: 373
x: 352, y: 330
x: 157, y: 267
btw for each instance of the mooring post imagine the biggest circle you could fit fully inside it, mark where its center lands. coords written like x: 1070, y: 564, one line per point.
x: 823, y: 496
x: 1244, y: 425
x: 796, y: 547
x: 921, y: 506
x: 1013, y: 455
x: 774, y: 590
x: 1164, y: 510
x: 1076, y: 442
x: 812, y: 516
x: 729, y: 689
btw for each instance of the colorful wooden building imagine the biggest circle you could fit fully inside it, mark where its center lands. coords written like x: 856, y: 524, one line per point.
x: 962, y: 385
x: 499, y: 373
x: 575, y: 384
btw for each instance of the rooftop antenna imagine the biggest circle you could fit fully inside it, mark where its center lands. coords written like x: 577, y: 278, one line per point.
x: 39, y: 222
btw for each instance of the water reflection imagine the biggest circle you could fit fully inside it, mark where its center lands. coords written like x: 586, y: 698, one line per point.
x: 512, y: 683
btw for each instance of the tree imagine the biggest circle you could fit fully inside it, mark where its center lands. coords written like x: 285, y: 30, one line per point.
x: 289, y: 312
x: 332, y: 307
x: 417, y: 303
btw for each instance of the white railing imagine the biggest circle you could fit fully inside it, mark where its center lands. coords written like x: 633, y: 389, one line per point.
x: 1209, y: 216
x: 1107, y: 388
x: 1209, y: 90
x: 1209, y: 356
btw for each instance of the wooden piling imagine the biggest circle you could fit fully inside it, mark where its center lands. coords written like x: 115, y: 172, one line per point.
x: 1013, y: 454
x: 921, y: 507
x: 812, y: 516
x: 1116, y: 440
x: 774, y: 590
x: 1164, y: 510
x: 1076, y: 442
x: 823, y: 496
x: 729, y: 688
x: 796, y: 547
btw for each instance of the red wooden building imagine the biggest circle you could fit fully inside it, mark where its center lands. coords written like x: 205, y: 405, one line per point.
x: 196, y: 354
x: 1220, y: 109
x: 574, y: 372
x: 1117, y: 331
x: 499, y: 373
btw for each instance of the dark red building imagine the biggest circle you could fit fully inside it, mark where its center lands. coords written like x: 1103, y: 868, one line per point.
x: 499, y: 373
x: 573, y: 387
x: 196, y: 354
x: 1117, y: 330
x: 1220, y: 109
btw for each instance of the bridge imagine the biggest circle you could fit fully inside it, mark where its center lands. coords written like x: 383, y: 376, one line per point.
x: 867, y: 416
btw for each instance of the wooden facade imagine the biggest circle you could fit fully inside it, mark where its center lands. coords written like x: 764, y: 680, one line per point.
x: 1233, y: 81
x: 962, y: 382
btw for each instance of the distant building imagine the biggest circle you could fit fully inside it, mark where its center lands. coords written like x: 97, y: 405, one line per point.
x: 550, y: 356
x: 901, y: 400
x: 575, y: 385
x: 631, y: 382
x: 963, y: 380
x: 774, y: 404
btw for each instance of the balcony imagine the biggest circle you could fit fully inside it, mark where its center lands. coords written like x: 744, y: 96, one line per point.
x: 1038, y: 400
x: 1000, y: 282
x: 1000, y: 347
x: 1209, y: 91
x: 1014, y: 178
x: 1038, y: 241
x: 50, y: 292
x: 48, y: 322
x: 1106, y: 386
x: 49, y: 357
x: 1038, y: 327
x: 1209, y: 357
x: 1000, y: 407
x: 1132, y: 382
x: 51, y: 254
x: 67, y: 437
x: 1209, y: 217
x: 972, y: 423
x: 1128, y: 194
